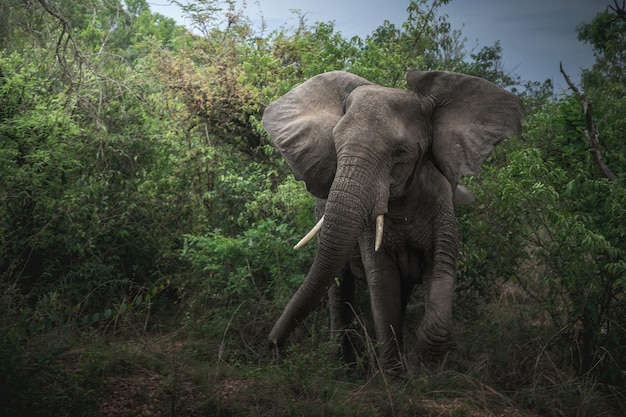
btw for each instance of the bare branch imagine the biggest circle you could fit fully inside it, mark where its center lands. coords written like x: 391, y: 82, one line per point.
x: 66, y: 39
x: 590, y: 130
x: 66, y: 31
x: 620, y: 11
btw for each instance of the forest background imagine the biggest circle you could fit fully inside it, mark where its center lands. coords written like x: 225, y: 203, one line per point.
x: 146, y: 222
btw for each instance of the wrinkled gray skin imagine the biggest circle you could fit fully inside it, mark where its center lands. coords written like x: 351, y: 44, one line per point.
x: 365, y: 150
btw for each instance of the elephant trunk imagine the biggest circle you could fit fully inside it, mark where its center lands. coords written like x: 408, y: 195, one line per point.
x: 349, y: 210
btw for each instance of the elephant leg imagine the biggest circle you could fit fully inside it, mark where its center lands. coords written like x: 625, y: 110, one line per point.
x: 387, y: 304
x: 341, y: 301
x: 438, y: 284
x: 387, y: 311
x: 410, y: 268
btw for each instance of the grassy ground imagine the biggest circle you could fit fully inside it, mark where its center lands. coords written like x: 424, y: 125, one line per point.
x: 218, y: 365
x: 170, y: 376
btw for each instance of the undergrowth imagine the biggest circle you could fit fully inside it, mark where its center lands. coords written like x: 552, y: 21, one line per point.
x: 219, y: 364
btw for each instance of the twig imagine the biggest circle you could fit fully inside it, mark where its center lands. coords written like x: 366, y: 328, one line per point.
x: 220, y: 353
x: 590, y: 130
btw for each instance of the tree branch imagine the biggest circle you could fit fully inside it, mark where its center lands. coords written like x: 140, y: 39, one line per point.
x: 65, y: 38
x: 66, y: 28
x: 620, y: 11
x: 590, y: 130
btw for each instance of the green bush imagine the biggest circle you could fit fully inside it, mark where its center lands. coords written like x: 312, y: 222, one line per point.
x: 259, y: 262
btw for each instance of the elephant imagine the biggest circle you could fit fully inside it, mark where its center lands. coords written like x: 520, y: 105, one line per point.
x: 384, y: 165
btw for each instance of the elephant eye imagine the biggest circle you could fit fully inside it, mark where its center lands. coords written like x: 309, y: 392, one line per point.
x: 399, y: 152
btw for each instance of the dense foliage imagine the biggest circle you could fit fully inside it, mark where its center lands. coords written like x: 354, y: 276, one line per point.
x: 137, y: 183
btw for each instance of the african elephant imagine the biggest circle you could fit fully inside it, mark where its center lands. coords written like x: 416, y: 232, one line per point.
x: 384, y: 164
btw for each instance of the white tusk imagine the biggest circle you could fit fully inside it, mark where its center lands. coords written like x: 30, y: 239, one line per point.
x: 310, y: 235
x: 380, y: 222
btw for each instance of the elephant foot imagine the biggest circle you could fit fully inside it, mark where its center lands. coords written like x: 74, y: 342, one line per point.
x: 391, y: 364
x: 420, y: 363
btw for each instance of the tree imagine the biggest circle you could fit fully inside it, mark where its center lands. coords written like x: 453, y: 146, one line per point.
x: 558, y: 217
x: 85, y: 161
x: 607, y: 35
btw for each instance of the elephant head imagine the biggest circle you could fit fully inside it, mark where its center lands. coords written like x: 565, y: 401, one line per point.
x: 363, y: 148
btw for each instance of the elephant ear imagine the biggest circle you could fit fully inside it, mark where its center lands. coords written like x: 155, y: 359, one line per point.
x: 471, y: 117
x: 301, y: 124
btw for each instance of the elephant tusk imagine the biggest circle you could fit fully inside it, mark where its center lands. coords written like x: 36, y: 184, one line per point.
x: 380, y: 222
x: 310, y: 235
